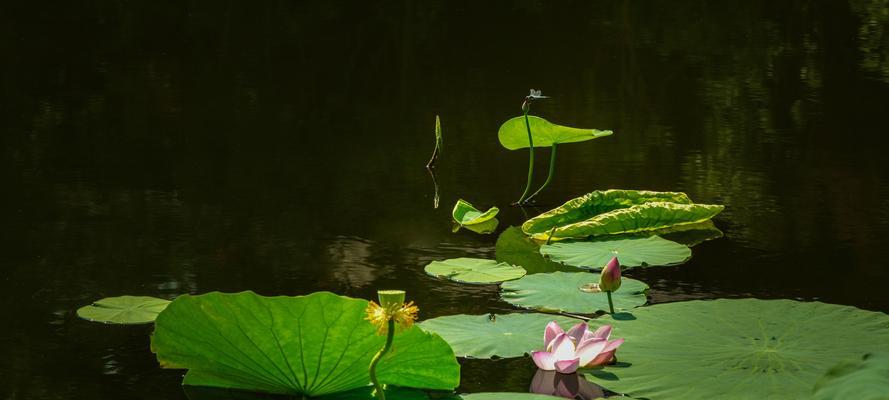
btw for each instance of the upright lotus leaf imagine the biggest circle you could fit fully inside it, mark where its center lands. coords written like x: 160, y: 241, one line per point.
x: 630, y: 251
x: 864, y: 378
x: 494, y: 335
x: 466, y: 214
x: 571, y: 292
x: 736, y: 349
x: 474, y: 270
x: 513, y: 134
x: 641, y: 218
x: 516, y: 248
x: 306, y: 345
x: 595, y: 203
x: 125, y: 310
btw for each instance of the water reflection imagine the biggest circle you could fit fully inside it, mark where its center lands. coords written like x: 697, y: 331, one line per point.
x: 570, y: 386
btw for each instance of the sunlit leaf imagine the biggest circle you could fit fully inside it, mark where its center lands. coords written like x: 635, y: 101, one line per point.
x: 631, y: 252
x: 466, y: 214
x: 124, y: 310
x: 513, y: 134
x: 305, y: 345
x: 494, y: 335
x: 736, y: 349
x: 474, y: 270
x: 567, y: 291
x: 595, y: 203
x: 614, y: 211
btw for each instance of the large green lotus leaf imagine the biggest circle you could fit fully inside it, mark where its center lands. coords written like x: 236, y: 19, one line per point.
x: 736, y: 349
x: 564, y: 291
x: 631, y: 252
x: 125, y: 310
x: 494, y: 335
x: 516, y: 248
x: 864, y: 378
x: 364, y: 393
x: 505, y: 396
x: 513, y: 133
x: 310, y: 345
x: 640, y: 218
x: 474, y: 270
x: 594, y: 203
x: 466, y: 214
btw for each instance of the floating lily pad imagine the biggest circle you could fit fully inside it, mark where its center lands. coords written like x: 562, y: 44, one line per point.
x: 566, y: 291
x: 737, y: 349
x: 474, y: 270
x: 513, y: 134
x: 631, y: 252
x: 864, y: 378
x: 494, y: 335
x: 466, y: 214
x: 306, y: 345
x: 514, y: 247
x: 126, y: 310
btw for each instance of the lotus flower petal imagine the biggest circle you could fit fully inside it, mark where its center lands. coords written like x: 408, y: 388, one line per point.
x: 550, y: 333
x: 590, y: 350
x: 563, y: 348
x: 577, y: 331
x: 601, y: 359
x: 544, y: 360
x: 567, y: 366
x: 603, y: 332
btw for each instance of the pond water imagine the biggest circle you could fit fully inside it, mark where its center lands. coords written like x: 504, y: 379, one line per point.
x: 160, y: 148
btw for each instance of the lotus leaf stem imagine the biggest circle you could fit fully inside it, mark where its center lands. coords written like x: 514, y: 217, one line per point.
x: 610, y: 303
x: 530, y: 161
x: 549, y: 177
x: 390, y: 334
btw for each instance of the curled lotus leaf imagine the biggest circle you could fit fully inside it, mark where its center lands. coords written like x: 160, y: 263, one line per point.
x: 513, y: 134
x: 595, y: 203
x: 638, y: 218
x: 466, y: 214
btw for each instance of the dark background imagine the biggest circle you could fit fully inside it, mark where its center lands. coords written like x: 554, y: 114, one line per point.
x: 168, y: 147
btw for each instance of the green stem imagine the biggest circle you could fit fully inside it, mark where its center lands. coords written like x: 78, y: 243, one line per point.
x: 530, y: 162
x: 549, y: 177
x: 610, y: 303
x: 390, y: 334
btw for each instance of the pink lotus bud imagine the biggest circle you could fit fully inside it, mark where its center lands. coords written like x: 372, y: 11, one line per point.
x: 609, y: 280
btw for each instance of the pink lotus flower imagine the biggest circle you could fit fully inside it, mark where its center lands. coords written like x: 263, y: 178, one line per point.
x: 609, y: 280
x: 567, y: 351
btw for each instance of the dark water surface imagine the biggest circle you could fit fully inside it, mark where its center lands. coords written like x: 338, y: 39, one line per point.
x: 168, y: 147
